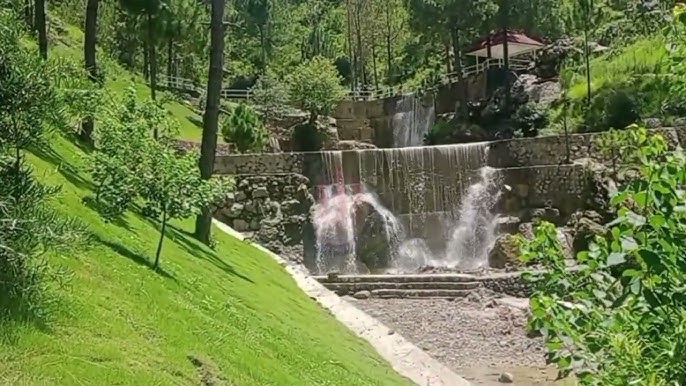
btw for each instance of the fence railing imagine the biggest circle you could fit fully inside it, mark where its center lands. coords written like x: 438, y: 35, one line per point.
x: 183, y: 84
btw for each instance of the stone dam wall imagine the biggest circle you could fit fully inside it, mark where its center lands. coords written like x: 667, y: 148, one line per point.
x: 511, y: 153
x: 422, y: 186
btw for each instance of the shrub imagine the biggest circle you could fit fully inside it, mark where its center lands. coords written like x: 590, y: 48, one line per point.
x: 129, y: 165
x: 244, y: 128
x: 270, y: 95
x: 315, y: 86
x: 529, y: 119
x: 621, y: 317
x: 30, y: 105
x: 613, y: 107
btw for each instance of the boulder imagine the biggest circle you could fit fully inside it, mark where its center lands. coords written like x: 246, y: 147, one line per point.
x: 586, y: 225
x: 505, y: 252
x: 549, y: 214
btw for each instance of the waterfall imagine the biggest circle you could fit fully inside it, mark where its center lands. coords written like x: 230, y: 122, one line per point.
x: 413, y: 181
x: 474, y: 233
x: 411, y: 121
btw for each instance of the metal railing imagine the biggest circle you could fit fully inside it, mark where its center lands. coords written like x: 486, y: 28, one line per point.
x: 183, y: 84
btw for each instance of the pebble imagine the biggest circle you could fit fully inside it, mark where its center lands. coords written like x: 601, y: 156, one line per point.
x: 461, y: 334
x: 506, y: 378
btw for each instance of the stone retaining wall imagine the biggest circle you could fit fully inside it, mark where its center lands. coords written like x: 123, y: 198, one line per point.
x: 549, y: 150
x: 273, y: 210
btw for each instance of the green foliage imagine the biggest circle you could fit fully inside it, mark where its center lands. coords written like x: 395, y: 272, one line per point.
x: 29, y: 105
x: 270, y: 95
x: 611, y: 108
x: 172, y: 188
x: 315, y: 86
x: 122, y: 153
x: 529, y: 119
x: 244, y: 128
x: 620, y: 318
x: 129, y: 165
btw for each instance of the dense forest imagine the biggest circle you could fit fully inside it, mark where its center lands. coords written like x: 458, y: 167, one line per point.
x: 374, y: 43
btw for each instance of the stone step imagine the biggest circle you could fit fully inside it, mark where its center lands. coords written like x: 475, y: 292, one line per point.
x: 418, y: 293
x: 405, y: 278
x: 354, y: 287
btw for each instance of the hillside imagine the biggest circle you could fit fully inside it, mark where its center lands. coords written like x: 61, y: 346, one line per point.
x: 233, y: 309
x: 223, y: 316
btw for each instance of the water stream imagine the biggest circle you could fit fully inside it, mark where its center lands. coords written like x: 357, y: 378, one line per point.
x: 413, y: 180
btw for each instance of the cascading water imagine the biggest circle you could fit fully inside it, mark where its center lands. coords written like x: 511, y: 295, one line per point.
x: 415, y: 179
x: 474, y: 234
x: 335, y: 216
x: 411, y: 121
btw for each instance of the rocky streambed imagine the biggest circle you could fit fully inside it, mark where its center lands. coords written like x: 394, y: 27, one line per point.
x: 482, y: 336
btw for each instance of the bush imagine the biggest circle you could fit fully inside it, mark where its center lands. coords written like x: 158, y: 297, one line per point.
x: 613, y: 107
x: 244, y: 129
x: 529, y: 119
x: 315, y: 86
x: 270, y: 95
x: 621, y: 317
x: 129, y: 165
x: 30, y: 105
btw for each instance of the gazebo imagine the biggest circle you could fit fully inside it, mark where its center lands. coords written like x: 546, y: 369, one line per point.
x: 491, y: 46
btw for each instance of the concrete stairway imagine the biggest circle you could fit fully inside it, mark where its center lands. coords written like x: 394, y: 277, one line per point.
x: 401, y: 286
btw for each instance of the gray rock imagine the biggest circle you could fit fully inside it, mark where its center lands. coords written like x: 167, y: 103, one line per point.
x: 506, y: 378
x: 505, y: 252
x: 240, y: 196
x: 260, y: 192
x: 244, y: 183
x: 236, y: 210
x: 551, y: 215
x: 240, y: 225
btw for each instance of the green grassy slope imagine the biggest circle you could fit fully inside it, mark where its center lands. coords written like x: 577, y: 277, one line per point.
x: 68, y: 43
x: 233, y: 308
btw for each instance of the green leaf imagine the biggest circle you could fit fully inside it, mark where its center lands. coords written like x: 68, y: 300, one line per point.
x: 615, y: 258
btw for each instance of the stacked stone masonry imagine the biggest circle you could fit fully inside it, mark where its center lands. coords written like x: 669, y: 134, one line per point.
x: 272, y: 209
x: 550, y: 150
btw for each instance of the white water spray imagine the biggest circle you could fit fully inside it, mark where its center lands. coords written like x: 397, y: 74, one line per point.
x: 339, y: 213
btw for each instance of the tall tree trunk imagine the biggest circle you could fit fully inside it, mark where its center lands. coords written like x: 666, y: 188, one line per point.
x: 170, y: 56
x: 376, y: 74
x: 158, y: 252
x: 89, y: 48
x: 152, y: 57
x: 28, y: 14
x: 42, y: 28
x: 358, y: 33
x: 203, y: 222
x: 461, y: 84
x: 152, y: 46
x: 504, y: 24
x: 351, y: 55
x: 146, y: 60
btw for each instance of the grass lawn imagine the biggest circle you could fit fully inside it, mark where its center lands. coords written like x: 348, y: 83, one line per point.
x: 234, y: 311
x: 68, y: 43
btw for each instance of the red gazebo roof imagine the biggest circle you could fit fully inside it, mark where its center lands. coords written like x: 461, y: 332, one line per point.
x: 518, y: 42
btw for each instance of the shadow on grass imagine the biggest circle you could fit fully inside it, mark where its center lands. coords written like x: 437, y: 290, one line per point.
x: 134, y: 256
x: 69, y: 171
x: 101, y: 210
x: 16, y: 314
x: 197, y: 122
x: 194, y: 247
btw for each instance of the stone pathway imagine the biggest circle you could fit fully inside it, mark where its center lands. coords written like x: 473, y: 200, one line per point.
x: 477, y: 336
